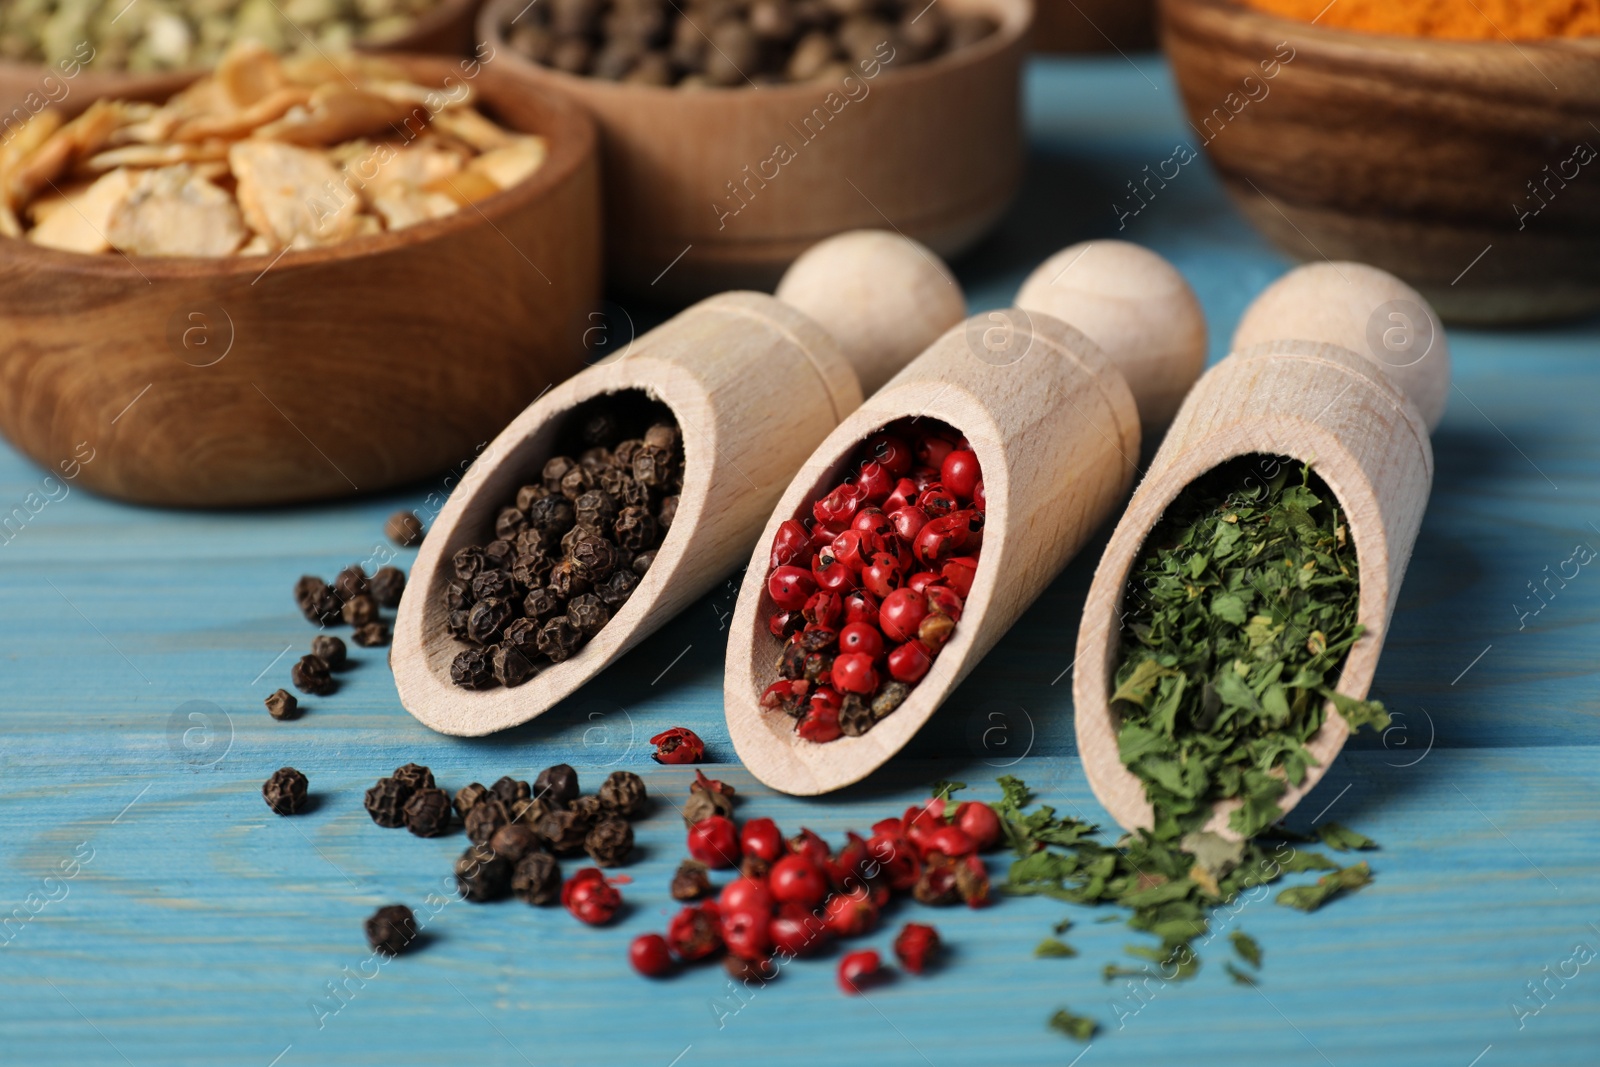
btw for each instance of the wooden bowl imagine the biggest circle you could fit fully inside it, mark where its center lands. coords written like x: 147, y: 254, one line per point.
x: 354, y: 367
x: 446, y: 30
x: 934, y: 151
x: 1094, y: 25
x: 1412, y: 154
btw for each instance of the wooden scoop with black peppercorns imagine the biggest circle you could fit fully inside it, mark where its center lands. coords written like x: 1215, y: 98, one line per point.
x: 629, y: 491
x: 1034, y: 418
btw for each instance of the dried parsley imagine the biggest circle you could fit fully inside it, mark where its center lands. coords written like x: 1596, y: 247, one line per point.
x: 1312, y: 897
x: 1246, y: 607
x: 1079, y: 1026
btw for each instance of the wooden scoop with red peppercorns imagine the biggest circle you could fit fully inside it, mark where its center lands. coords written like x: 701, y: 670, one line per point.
x: 922, y: 527
x: 752, y: 382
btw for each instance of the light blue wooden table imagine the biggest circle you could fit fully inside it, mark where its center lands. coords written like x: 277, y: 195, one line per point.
x: 193, y: 927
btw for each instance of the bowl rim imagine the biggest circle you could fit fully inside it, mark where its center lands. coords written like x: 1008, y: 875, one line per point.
x: 1376, y: 44
x: 571, y: 144
x: 1015, y: 18
x: 422, y: 27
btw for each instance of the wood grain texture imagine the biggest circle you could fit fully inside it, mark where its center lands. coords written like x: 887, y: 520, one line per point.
x: 1320, y: 404
x: 204, y: 929
x: 446, y: 30
x: 934, y: 148
x: 754, y: 384
x: 1055, y: 422
x: 1412, y: 154
x: 324, y: 372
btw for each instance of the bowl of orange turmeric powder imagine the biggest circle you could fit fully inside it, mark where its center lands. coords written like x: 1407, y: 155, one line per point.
x: 1454, y: 143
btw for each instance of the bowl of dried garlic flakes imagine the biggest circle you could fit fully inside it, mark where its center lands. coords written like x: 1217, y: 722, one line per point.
x: 296, y: 278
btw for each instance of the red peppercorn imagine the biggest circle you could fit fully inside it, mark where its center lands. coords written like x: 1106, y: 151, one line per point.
x: 904, y: 495
x: 714, y: 841
x: 650, y: 955
x: 908, y: 521
x: 822, y: 535
x: 778, y: 623
x: 831, y: 573
x: 791, y: 587
x: 590, y: 897
x: 960, y: 472
x: 891, y: 451
x: 938, y: 501
x: 840, y: 505
x: 958, y: 574
x: 796, y: 931
x: 874, y: 482
x: 901, y: 612
x: 823, y: 609
x: 932, y: 449
x: 972, y: 882
x: 897, y: 858
x: 922, y: 581
x: 943, y: 600
x: 762, y: 839
x: 678, y: 745
x: 979, y: 500
x: 789, y: 543
x: 821, y: 722
x: 854, y: 672
x: 695, y: 932
x: 881, y: 575
x: 857, y: 969
x: 944, y: 537
x: 908, y: 663
x: 921, y: 821
x: 860, y: 606
x: 809, y: 843
x: 916, y: 945
x: 746, y: 933
x: 746, y: 894
x: 980, y: 822
x: 850, y: 914
x: 873, y: 521
x: 853, y: 547
x: 798, y: 880
x: 859, y: 637
x: 951, y: 840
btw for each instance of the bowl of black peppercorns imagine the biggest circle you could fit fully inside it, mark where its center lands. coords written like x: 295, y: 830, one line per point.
x: 737, y: 133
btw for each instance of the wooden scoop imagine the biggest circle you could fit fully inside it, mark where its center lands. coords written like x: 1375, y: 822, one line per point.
x: 754, y: 384
x: 1340, y: 366
x: 1055, y: 423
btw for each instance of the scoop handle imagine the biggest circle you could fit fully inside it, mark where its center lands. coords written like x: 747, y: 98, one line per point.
x: 883, y: 297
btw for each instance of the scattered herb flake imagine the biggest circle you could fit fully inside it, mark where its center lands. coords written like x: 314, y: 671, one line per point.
x: 1343, y: 839
x: 1239, y: 977
x: 1246, y: 947
x: 1312, y: 897
x: 1077, y: 1026
x: 1051, y: 948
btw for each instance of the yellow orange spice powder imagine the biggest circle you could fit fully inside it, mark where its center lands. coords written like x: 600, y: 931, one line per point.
x: 1461, y: 20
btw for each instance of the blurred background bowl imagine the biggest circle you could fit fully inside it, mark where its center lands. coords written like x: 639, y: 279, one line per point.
x: 1094, y: 25
x: 933, y: 150
x: 1452, y: 164
x: 248, y: 380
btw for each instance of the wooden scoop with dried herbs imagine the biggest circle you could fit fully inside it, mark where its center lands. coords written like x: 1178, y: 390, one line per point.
x: 263, y: 155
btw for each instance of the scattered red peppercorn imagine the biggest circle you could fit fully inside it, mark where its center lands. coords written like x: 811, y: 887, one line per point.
x: 951, y: 840
x: 980, y: 822
x: 850, y: 914
x: 746, y: 894
x: 796, y: 931
x: 747, y: 934
x: 589, y: 897
x: 761, y: 838
x: 695, y: 932
x: 714, y: 841
x: 857, y: 969
x: 678, y: 745
x: 797, y: 879
x: 916, y: 946
x: 650, y: 955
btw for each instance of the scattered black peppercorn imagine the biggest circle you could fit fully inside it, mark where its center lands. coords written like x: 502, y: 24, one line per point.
x: 692, y: 881
x: 563, y: 831
x: 310, y: 675
x: 392, y: 929
x: 403, y: 528
x: 468, y: 796
x: 282, y: 705
x: 386, y: 802
x: 350, y: 582
x: 372, y: 635
x: 589, y: 809
x: 481, y: 875
x: 329, y: 649
x: 624, y: 794
x: 610, y: 842
x: 414, y: 776
x: 557, y: 785
x: 285, y: 791
x: 537, y: 878
x: 427, y: 813
x: 472, y: 669
x: 387, y: 586
x: 512, y: 792
x: 486, y: 817
x: 317, y: 600
x: 514, y: 841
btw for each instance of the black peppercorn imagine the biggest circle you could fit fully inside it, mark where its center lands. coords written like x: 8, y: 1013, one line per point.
x: 595, y: 559
x: 702, y: 804
x: 635, y: 529
x: 473, y: 669
x: 521, y: 635
x: 282, y: 705
x: 610, y: 842
x: 669, y: 511
x: 511, y: 668
x: 456, y: 624
x: 642, y: 561
x: 458, y: 595
x: 509, y: 523
x: 493, y: 585
x: 414, y: 776
x: 588, y: 614
x: 577, y: 481
x: 615, y: 591
x: 499, y: 555
x: 481, y: 875
x: 596, y: 509
x: 691, y: 882
x: 386, y: 802
x: 530, y: 571
x: 563, y: 831
x: 487, y: 619
x: 467, y: 562
x: 653, y: 466
x: 391, y: 930
x: 624, y: 794
x: 467, y: 798
x: 528, y: 494
x: 511, y: 792
x: 317, y: 601
x: 540, y: 605
x: 404, y: 528
x: 285, y: 791
x: 359, y: 609
x: 559, y: 639
x: 329, y: 649
x: 310, y: 675
x: 557, y: 785
x: 589, y: 809
x: 623, y: 454
x: 552, y: 516
x: 514, y: 841
x: 556, y: 468
x: 537, y: 878
x: 662, y: 435
x: 372, y: 635
x: 485, y: 817
x: 350, y: 582
x: 427, y: 813
x: 598, y: 428
x: 567, y: 580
